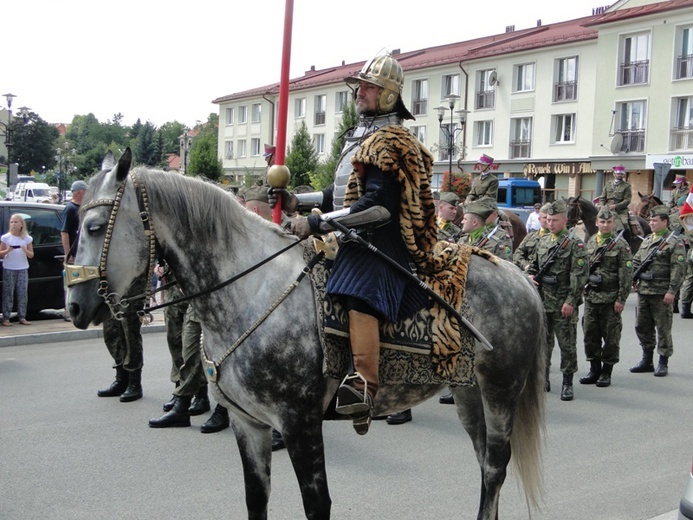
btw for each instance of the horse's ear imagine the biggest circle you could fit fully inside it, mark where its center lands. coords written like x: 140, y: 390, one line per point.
x: 640, y: 195
x: 124, y: 164
x: 564, y: 199
x: 108, y: 162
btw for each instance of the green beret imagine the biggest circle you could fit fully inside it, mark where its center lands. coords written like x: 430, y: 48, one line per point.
x: 605, y: 213
x: 477, y: 208
x: 545, y: 208
x: 449, y: 197
x: 489, y: 203
x: 660, y: 211
x: 256, y: 193
x: 557, y: 206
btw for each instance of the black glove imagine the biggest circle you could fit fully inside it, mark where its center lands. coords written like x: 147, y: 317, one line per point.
x: 289, y: 201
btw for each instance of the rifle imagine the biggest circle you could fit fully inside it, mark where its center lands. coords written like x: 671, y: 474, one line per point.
x: 486, y: 237
x: 651, y: 257
x: 538, y: 278
x: 594, y: 262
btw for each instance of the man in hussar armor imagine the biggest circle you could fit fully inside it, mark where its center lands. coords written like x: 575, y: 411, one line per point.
x: 382, y: 164
x: 617, y: 196
x: 486, y: 184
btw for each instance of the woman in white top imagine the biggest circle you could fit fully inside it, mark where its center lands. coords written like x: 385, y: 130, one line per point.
x: 15, y: 249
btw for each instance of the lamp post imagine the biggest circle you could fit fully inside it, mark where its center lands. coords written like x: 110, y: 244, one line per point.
x: 186, y: 148
x: 451, y: 131
x: 62, y: 154
x: 7, y: 127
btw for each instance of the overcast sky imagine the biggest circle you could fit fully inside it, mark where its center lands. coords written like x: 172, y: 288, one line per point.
x: 165, y: 61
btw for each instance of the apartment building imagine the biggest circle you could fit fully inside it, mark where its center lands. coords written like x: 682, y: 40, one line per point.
x: 561, y: 103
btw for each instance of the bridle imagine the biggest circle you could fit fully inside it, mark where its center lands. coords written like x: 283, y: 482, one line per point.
x: 76, y: 274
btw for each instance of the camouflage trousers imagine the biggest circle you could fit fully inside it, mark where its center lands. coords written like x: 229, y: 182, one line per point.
x: 565, y: 331
x: 124, y: 342
x: 653, y: 322
x: 174, y: 316
x: 601, y: 322
x: 192, y: 375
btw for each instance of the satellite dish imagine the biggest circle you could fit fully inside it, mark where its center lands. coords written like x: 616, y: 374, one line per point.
x: 616, y: 143
x: 493, y: 79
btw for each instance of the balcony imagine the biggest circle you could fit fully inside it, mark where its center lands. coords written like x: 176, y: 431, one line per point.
x: 633, y: 141
x: 681, y: 139
x: 485, y: 99
x: 634, y: 73
x: 684, y: 67
x: 520, y: 149
x: 565, y: 91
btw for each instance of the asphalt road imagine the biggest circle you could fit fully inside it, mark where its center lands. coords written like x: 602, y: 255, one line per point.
x: 620, y: 453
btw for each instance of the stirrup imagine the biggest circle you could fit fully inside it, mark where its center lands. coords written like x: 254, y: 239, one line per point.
x: 351, y: 401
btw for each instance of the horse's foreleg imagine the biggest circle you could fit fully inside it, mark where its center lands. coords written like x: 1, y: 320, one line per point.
x: 302, y: 434
x: 255, y: 446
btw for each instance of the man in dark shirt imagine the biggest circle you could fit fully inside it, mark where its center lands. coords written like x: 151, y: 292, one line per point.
x: 70, y: 230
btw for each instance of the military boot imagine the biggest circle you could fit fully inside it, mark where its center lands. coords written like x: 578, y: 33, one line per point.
x: 686, y: 310
x: 594, y: 373
x: 217, y: 422
x: 605, y: 377
x: 200, y: 403
x: 134, y: 390
x: 118, y: 386
x: 662, y: 367
x: 547, y: 383
x: 567, y: 388
x: 177, y: 417
x: 675, y: 310
x: 645, y: 364
x: 168, y: 405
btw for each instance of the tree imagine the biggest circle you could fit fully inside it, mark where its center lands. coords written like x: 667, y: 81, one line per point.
x: 203, y: 152
x: 33, y: 143
x: 302, y: 159
x: 171, y: 133
x: 324, y: 176
x: 145, y: 146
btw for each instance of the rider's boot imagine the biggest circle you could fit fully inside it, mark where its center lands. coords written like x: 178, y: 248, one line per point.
x: 118, y: 386
x: 356, y: 393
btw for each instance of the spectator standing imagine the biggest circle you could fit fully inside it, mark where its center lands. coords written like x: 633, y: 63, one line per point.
x: 533, y: 220
x: 69, y: 234
x: 16, y: 249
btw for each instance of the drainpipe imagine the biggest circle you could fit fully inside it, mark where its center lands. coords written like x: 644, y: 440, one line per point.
x: 464, y: 130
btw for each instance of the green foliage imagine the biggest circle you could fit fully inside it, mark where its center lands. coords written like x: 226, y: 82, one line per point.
x: 170, y: 133
x: 33, y: 143
x: 461, y: 184
x: 203, y: 158
x: 302, y: 159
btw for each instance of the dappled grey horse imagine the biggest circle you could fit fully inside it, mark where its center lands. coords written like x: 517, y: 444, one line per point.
x: 263, y: 338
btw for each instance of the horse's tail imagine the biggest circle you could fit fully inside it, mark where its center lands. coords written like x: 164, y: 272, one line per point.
x: 529, y: 427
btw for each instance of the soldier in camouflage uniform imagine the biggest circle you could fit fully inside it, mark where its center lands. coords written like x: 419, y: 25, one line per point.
x: 561, y: 287
x: 522, y: 256
x: 617, y: 196
x: 447, y: 211
x: 687, y: 289
x: 657, y: 288
x: 486, y: 185
x: 503, y: 234
x: 610, y: 281
x: 681, y: 189
x: 479, y: 234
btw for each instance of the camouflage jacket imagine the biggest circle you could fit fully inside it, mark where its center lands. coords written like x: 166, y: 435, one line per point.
x: 483, y: 187
x: 612, y: 278
x: 522, y: 257
x: 569, y: 271
x: 677, y: 194
x: 668, y: 268
x: 619, y: 194
x: 499, y: 244
x: 448, y: 231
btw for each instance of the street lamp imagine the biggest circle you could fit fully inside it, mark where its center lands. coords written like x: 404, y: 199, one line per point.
x: 7, y: 127
x: 186, y: 148
x: 62, y: 155
x: 451, y: 130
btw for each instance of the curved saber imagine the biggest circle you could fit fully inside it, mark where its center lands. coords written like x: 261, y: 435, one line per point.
x: 352, y: 235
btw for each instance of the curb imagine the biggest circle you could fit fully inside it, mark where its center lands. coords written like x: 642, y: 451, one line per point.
x: 67, y: 335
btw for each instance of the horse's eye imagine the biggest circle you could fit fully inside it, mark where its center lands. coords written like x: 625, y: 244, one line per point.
x: 93, y: 228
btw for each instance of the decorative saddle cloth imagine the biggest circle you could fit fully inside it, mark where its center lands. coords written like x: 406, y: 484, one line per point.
x: 407, y: 353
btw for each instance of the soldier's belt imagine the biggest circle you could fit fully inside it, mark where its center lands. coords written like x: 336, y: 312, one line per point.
x: 552, y: 279
x: 648, y: 276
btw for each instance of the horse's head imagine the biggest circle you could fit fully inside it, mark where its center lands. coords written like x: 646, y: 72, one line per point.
x: 574, y: 210
x: 113, y: 249
x: 647, y: 202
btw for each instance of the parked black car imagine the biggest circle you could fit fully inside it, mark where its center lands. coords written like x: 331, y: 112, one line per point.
x: 43, y: 222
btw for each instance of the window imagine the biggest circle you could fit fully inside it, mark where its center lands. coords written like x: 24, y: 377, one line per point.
x: 241, y: 149
x: 632, y: 116
x: 565, y: 88
x: 254, y: 147
x: 451, y: 85
x: 564, y: 128
x: 243, y: 114
x: 228, y: 150
x: 682, y: 131
x: 419, y: 132
x: 635, y: 62
x: 320, y: 108
x: 419, y: 98
x: 256, y: 113
x: 319, y: 143
x: 341, y: 100
x: 483, y: 131
x: 485, y: 92
x: 524, y: 77
x: 521, y: 138
x: 300, y: 108
x: 684, y: 60
x: 229, y: 116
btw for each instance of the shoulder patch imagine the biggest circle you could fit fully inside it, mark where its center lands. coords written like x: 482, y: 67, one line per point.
x: 629, y: 264
x: 681, y: 258
x: 581, y: 262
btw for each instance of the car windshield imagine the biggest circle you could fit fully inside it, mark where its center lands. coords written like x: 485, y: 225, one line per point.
x: 41, y: 192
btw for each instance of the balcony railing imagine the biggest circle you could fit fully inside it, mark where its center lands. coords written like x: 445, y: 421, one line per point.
x: 633, y: 141
x: 520, y: 149
x: 565, y: 91
x: 320, y: 118
x: 682, y: 138
x: 684, y: 67
x: 635, y: 72
x: 485, y: 99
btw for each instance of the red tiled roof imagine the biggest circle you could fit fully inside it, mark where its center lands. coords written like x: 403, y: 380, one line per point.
x: 643, y: 10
